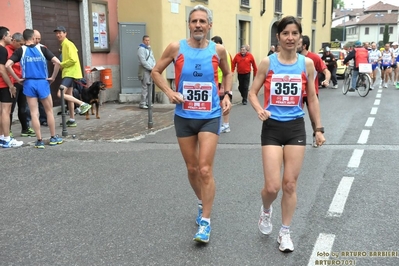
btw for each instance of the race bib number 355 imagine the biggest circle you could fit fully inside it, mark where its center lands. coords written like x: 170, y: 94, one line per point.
x: 197, y: 96
x: 285, y: 89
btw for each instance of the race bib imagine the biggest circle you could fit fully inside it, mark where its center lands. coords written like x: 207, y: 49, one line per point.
x: 197, y: 96
x: 286, y: 89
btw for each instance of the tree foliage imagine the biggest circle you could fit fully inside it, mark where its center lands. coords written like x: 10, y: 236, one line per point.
x: 338, y: 2
x: 385, y: 39
x: 337, y: 33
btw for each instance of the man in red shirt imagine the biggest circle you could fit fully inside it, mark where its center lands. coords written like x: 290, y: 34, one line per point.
x: 303, y: 48
x: 7, y: 93
x: 244, y: 60
x: 20, y: 99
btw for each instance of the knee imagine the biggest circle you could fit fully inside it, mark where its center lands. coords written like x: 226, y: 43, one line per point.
x: 272, y: 189
x: 205, y: 172
x: 289, y: 187
x: 192, y: 170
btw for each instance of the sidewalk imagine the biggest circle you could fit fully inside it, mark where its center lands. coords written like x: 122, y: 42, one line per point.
x: 117, y: 121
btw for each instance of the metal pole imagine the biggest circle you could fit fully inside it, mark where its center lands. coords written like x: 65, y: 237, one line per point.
x: 149, y: 104
x: 64, y: 130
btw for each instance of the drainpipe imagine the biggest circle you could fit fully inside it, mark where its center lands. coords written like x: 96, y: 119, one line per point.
x: 263, y: 8
x: 325, y: 12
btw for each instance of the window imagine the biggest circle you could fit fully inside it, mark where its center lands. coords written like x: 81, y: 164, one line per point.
x: 367, y: 31
x: 390, y: 30
x: 314, y: 16
x: 299, y: 9
x: 278, y: 6
x: 205, y: 1
x: 381, y: 30
x: 245, y: 3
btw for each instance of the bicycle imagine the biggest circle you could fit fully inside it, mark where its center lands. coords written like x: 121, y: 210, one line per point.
x: 363, y: 83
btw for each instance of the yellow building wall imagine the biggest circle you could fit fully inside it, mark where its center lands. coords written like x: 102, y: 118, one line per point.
x: 167, y: 22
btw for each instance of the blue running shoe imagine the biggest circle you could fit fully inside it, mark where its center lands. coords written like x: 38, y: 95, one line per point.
x: 55, y: 140
x: 199, y: 217
x: 203, y: 233
x: 39, y: 144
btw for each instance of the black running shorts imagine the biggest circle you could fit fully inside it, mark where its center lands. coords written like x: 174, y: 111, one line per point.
x: 187, y: 127
x: 279, y: 133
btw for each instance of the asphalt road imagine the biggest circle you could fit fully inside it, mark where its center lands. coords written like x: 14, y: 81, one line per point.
x: 129, y: 203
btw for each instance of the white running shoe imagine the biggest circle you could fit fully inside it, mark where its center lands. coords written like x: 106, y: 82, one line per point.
x: 13, y: 143
x: 265, y: 221
x: 284, y: 239
x: 225, y: 129
x: 385, y: 85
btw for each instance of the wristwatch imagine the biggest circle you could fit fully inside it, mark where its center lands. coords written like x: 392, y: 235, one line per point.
x: 229, y: 93
x: 319, y: 129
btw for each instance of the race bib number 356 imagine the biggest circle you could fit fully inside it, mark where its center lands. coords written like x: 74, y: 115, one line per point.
x: 285, y: 89
x: 197, y: 96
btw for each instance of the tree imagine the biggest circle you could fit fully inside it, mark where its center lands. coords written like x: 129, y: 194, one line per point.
x: 336, y: 33
x: 385, y: 39
x: 338, y: 2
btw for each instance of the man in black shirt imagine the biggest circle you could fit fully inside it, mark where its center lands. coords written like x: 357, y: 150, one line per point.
x: 331, y: 63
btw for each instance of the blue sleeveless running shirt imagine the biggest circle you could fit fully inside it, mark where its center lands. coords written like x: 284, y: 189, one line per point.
x: 196, y: 77
x: 284, y: 86
x: 33, y: 63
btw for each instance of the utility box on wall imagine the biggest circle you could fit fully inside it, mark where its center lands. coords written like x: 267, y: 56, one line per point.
x: 131, y: 36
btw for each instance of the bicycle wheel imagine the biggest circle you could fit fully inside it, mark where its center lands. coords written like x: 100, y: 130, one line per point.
x: 346, y: 84
x: 363, y: 84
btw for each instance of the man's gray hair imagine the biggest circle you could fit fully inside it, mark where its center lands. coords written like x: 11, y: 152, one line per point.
x: 17, y: 36
x: 201, y: 8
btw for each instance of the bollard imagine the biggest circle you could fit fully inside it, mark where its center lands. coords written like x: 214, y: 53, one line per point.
x: 64, y: 130
x: 149, y: 104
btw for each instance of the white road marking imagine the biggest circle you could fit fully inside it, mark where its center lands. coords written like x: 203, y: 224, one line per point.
x: 338, y: 203
x: 355, y: 159
x: 377, y: 102
x: 363, y: 136
x: 369, y: 122
x: 323, y: 246
x: 378, y: 95
x: 374, y: 110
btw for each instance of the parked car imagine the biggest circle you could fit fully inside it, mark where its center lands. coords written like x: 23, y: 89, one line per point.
x: 340, y: 55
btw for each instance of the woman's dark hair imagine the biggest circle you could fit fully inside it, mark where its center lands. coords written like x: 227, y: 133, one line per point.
x: 286, y: 21
x: 217, y: 39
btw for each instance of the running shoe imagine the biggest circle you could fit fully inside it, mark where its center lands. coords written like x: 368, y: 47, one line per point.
x: 335, y: 86
x: 39, y: 144
x: 70, y: 123
x: 352, y: 90
x: 1, y: 142
x: 13, y: 143
x: 199, y: 217
x: 284, y: 239
x: 397, y: 85
x: 225, y: 129
x: 55, y: 140
x: 28, y: 133
x: 203, y: 233
x: 265, y: 221
x: 84, y: 108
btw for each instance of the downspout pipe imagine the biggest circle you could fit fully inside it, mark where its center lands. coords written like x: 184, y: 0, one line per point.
x: 263, y: 8
x: 325, y: 12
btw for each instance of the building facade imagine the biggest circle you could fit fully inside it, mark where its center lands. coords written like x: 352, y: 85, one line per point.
x: 368, y: 25
x: 101, y: 29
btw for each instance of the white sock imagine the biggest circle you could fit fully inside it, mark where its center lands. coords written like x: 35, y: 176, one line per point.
x: 8, y: 138
x: 226, y: 124
x: 199, y: 202
x: 1, y: 136
x: 72, y: 120
x: 208, y: 220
